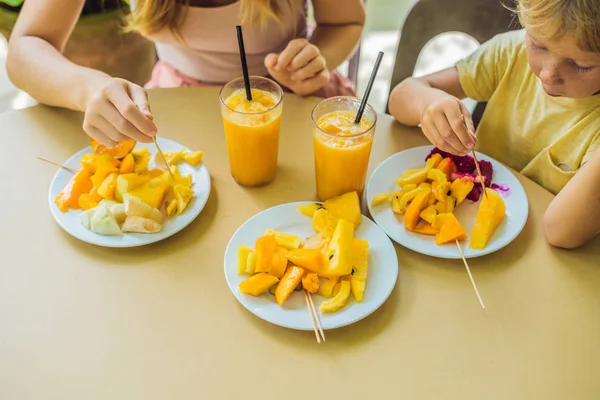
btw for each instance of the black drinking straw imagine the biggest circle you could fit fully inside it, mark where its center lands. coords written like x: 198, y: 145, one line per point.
x: 244, y: 65
x: 363, y: 103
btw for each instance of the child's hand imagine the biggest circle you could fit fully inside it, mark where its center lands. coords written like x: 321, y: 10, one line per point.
x: 447, y: 124
x: 119, y: 111
x: 300, y: 67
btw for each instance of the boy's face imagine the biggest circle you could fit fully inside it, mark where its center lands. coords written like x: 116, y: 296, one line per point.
x: 564, y: 69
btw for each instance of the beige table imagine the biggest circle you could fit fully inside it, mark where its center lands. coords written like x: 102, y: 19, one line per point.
x: 83, y: 322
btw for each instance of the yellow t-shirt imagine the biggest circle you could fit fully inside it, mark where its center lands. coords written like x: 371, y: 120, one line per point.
x: 545, y: 138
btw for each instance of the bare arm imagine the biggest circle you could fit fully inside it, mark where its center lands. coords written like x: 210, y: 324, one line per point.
x: 433, y: 101
x: 339, y: 27
x: 115, y: 110
x: 35, y: 63
x: 573, y: 217
x: 409, y: 99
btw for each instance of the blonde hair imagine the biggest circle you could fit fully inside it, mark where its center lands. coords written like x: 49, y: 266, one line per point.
x: 555, y: 18
x: 150, y: 16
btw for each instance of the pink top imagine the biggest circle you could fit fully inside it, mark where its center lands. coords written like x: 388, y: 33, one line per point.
x: 213, y: 55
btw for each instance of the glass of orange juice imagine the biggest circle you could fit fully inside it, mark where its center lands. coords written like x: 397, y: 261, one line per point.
x: 342, y: 148
x: 252, y: 129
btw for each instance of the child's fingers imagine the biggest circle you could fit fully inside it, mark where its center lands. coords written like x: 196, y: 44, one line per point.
x: 457, y: 122
x: 434, y: 137
x: 311, y: 69
x: 100, y: 137
x: 129, y: 110
x: 126, y: 128
x: 293, y: 48
x: 448, y: 134
x: 271, y: 60
x: 305, y: 56
x: 108, y: 129
x: 468, y: 119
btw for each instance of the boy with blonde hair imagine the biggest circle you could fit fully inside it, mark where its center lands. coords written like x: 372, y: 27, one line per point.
x: 542, y: 85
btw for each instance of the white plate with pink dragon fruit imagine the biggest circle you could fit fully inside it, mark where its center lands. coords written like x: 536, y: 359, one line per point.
x: 496, y: 177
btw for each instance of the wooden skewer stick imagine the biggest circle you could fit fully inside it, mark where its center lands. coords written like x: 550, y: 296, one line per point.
x: 479, y: 173
x: 163, y: 157
x: 74, y: 171
x: 312, y: 317
x: 462, y: 116
x: 470, y: 276
x: 316, y: 314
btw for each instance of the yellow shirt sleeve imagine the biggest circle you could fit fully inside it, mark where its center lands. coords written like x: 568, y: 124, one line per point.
x: 592, y: 149
x: 481, y: 72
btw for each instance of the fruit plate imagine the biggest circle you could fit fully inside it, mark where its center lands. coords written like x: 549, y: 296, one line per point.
x: 69, y: 221
x: 381, y: 278
x: 383, y: 180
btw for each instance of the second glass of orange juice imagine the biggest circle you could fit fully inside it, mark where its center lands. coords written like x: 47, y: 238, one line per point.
x: 342, y: 148
x: 252, y: 129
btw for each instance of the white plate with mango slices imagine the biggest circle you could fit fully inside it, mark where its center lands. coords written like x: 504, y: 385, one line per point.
x: 330, y: 249
x: 138, y: 222
x: 385, y: 180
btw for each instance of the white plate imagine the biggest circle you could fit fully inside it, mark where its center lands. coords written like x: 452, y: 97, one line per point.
x: 381, y: 278
x: 383, y: 180
x: 69, y: 221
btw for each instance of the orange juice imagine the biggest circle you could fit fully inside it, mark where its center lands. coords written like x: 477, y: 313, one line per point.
x: 342, y: 150
x: 252, y: 134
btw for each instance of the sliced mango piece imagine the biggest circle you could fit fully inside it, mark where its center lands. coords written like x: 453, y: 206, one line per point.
x: 310, y: 282
x: 492, y: 211
x: 258, y: 284
x: 108, y: 186
x: 425, y: 228
x: 450, y: 231
x: 127, y: 164
x: 291, y: 279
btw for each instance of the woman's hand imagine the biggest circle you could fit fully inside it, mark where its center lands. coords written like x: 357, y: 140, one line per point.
x: 447, y: 124
x: 300, y: 67
x: 119, y: 111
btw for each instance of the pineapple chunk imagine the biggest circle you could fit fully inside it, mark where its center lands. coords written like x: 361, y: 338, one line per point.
x: 251, y: 263
x: 183, y: 195
x: 193, y: 157
x: 173, y: 157
x: 346, y: 206
x: 359, y: 271
x: 381, y: 198
x: 338, y: 301
x: 243, y: 252
x: 324, y: 222
x: 326, y: 288
x: 285, y: 240
x: 309, y: 209
x: 172, y: 208
x: 339, y: 250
